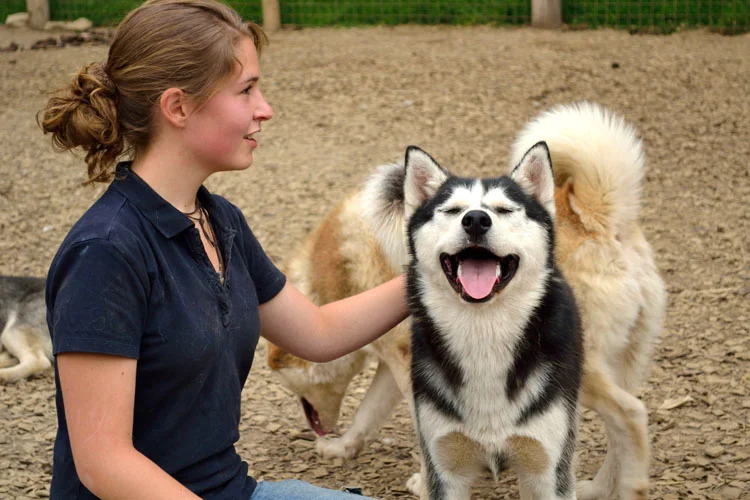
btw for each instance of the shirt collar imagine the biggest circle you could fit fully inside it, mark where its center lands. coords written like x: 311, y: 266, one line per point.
x: 164, y: 216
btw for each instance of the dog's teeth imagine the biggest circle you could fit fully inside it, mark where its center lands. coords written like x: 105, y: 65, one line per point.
x: 497, y: 270
x: 460, y: 271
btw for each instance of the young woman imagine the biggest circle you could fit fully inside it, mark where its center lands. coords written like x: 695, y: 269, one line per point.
x: 158, y: 295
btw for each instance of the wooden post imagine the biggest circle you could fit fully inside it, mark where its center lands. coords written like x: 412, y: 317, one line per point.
x: 271, y: 15
x: 38, y: 13
x: 546, y: 13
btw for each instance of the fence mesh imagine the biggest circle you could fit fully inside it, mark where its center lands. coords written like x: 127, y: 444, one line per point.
x: 660, y: 16
x: 726, y: 16
x: 347, y: 12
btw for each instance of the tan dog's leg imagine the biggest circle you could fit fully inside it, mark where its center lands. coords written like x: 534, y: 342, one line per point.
x: 381, y: 398
x: 625, y: 469
x: 24, y: 343
x: 647, y: 327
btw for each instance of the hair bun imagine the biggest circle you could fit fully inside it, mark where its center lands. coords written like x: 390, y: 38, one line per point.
x: 85, y: 116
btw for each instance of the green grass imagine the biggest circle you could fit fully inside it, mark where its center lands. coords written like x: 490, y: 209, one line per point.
x: 662, y: 16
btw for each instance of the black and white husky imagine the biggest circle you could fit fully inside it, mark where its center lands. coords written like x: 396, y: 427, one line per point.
x: 496, y: 339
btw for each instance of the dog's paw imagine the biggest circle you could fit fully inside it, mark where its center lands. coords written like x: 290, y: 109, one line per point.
x: 589, y: 490
x: 638, y: 491
x: 337, y: 448
x: 414, y: 484
x: 7, y: 360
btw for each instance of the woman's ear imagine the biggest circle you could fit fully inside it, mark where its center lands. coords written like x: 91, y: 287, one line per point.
x: 174, y: 106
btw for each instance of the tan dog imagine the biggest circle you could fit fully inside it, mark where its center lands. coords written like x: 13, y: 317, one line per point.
x: 601, y: 250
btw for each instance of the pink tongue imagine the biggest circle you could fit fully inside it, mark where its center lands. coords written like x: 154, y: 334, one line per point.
x: 478, y: 277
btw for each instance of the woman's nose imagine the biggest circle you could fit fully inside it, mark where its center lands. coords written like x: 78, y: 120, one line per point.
x: 264, y: 111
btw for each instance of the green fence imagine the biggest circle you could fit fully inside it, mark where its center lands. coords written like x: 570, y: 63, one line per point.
x: 661, y: 16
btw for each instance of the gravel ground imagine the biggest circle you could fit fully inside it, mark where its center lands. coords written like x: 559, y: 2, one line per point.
x: 347, y: 100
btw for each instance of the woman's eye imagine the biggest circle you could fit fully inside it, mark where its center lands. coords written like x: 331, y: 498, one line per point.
x: 247, y: 90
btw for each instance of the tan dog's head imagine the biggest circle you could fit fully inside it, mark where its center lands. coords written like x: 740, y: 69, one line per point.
x: 320, y: 387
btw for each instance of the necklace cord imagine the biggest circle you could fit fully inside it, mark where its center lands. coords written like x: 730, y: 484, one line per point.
x: 208, y: 231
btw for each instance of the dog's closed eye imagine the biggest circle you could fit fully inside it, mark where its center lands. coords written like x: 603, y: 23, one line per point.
x: 452, y: 210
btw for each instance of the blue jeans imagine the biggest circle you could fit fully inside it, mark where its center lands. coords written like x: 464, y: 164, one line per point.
x: 294, y: 489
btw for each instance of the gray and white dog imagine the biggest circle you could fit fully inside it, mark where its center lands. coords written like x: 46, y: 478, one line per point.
x: 25, y: 344
x: 496, y: 336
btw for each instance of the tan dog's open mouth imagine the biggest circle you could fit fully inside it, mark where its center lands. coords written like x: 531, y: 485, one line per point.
x: 312, y: 418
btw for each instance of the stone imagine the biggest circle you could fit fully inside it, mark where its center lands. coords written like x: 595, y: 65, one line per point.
x: 17, y: 20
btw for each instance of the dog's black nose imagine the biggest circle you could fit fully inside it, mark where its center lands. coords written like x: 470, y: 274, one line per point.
x: 476, y: 223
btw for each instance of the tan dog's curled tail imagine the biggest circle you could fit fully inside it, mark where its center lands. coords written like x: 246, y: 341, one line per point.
x: 601, y: 157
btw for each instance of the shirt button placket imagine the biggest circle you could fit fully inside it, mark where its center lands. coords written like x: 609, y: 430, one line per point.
x: 224, y: 311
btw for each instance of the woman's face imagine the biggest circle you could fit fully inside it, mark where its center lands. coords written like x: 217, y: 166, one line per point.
x: 220, y: 134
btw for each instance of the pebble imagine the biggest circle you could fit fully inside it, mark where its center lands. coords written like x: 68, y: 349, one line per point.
x: 714, y: 451
x: 731, y: 493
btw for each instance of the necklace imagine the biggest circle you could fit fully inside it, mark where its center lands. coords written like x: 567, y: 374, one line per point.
x: 208, y: 231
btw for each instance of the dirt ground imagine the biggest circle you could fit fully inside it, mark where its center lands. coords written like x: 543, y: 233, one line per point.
x: 347, y: 100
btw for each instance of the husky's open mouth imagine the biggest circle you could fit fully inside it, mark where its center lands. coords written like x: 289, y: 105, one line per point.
x: 312, y: 418
x: 477, y: 274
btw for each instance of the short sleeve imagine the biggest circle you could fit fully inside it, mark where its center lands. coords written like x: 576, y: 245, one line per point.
x: 267, y: 278
x: 97, y: 300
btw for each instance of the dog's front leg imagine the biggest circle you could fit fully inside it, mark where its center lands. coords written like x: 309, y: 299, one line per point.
x: 451, y: 463
x: 381, y: 398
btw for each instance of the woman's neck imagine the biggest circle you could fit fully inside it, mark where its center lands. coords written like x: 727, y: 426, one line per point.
x: 175, y: 181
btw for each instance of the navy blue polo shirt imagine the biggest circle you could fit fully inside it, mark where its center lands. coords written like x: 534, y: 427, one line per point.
x: 132, y: 279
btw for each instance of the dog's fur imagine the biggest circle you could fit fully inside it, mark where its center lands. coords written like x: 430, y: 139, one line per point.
x: 600, y: 248
x: 496, y: 340
x: 25, y: 345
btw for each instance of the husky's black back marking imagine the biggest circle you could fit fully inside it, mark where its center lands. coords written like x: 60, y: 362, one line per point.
x: 17, y: 290
x: 19, y: 287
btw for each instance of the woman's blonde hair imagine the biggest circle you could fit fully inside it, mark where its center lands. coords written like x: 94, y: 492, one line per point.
x: 107, y: 109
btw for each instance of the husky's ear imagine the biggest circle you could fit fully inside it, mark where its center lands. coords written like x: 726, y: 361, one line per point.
x: 423, y: 178
x: 534, y: 175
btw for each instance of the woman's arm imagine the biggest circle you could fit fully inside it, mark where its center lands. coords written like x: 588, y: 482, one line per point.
x: 98, y: 393
x: 321, y: 334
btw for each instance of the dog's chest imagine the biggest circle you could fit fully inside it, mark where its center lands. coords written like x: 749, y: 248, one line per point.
x: 484, y: 344
x: 488, y: 410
